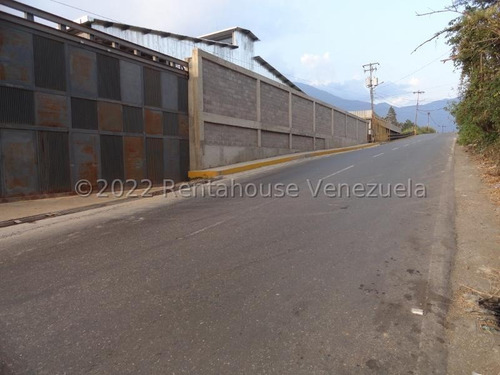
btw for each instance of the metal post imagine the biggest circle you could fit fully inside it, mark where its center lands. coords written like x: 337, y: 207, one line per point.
x: 371, y: 67
x: 416, y: 111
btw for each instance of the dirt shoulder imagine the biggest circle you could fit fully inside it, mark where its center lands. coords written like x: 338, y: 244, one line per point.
x: 474, y: 343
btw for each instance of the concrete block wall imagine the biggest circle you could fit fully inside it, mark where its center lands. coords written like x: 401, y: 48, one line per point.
x: 274, y: 106
x: 228, y: 92
x: 302, y: 114
x: 323, y: 120
x: 236, y: 115
x: 275, y: 140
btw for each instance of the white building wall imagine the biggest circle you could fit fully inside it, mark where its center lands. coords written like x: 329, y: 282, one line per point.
x: 174, y: 47
x: 182, y: 49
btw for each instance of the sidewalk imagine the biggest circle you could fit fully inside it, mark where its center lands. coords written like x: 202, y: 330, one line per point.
x: 249, y: 165
x: 473, y: 345
x: 30, y: 210
x: 26, y: 211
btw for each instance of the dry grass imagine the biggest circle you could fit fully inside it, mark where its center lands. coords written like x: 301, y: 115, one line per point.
x: 488, y: 163
x: 483, y: 305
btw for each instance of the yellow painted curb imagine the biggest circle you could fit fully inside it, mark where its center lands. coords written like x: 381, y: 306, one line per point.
x: 215, y: 172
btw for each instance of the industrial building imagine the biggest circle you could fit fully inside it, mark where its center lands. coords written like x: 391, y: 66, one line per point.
x: 379, y: 129
x: 234, y: 44
x: 106, y: 102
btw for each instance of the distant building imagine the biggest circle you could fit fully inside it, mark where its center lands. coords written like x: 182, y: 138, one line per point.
x: 381, y: 128
x: 235, y: 45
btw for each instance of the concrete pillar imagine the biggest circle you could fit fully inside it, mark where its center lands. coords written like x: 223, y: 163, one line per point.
x: 333, y: 121
x: 195, y: 106
x: 314, y: 125
x: 259, y: 119
x: 345, y: 114
x: 290, y: 145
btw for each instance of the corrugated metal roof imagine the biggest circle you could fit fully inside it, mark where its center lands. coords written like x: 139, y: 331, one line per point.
x: 226, y: 33
x: 274, y: 71
x: 86, y: 20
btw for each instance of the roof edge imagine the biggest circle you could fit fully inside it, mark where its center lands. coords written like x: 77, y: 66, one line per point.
x: 276, y: 72
x: 87, y: 20
x: 221, y: 33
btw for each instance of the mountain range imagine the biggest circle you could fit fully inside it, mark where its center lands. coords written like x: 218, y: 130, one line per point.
x: 439, y: 118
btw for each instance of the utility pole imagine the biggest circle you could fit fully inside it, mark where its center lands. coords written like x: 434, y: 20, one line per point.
x: 416, y: 111
x: 428, y: 119
x: 371, y: 83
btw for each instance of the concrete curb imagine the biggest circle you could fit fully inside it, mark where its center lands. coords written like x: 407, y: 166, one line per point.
x: 246, y: 166
x: 33, y: 218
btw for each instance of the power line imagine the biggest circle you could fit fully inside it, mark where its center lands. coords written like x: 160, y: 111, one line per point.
x: 83, y: 10
x: 421, y: 68
x: 439, y: 126
x: 432, y: 110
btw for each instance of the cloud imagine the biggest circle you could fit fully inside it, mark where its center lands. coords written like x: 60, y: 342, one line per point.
x: 314, y: 61
x: 317, y: 69
x: 414, y: 81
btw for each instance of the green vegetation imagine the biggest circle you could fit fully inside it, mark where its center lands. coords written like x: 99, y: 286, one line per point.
x: 391, y: 116
x: 425, y: 130
x: 475, y: 40
x: 407, y: 126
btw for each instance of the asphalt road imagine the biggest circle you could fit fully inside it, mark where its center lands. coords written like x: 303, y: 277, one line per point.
x: 213, y: 285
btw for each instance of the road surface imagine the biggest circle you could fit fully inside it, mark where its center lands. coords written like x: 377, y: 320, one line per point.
x: 243, y: 285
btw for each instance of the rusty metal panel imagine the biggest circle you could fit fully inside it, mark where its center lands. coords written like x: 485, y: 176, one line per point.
x: 110, y: 116
x: 171, y: 154
x: 85, y: 153
x: 83, y: 114
x: 50, y: 63
x: 131, y: 82
x: 154, y: 159
x: 133, y: 154
x: 152, y: 87
x: 2, y: 194
x: 184, y: 158
x: 108, y: 77
x: 83, y: 72
x: 51, y: 110
x: 183, y: 126
x: 16, y: 56
x: 170, y: 123
x: 132, y: 120
x: 17, y: 106
x: 111, y: 158
x: 53, y: 161
x: 183, y: 94
x: 153, y: 122
x: 169, y: 91
x: 18, y: 162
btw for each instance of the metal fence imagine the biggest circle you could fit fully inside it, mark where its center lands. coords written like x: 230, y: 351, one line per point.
x: 77, y: 104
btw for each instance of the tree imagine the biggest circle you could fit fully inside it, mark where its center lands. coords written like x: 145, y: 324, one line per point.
x: 391, y: 116
x: 475, y: 40
x: 407, y: 126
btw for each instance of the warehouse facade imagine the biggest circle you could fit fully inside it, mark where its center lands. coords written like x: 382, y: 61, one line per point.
x: 73, y: 109
x: 105, y: 102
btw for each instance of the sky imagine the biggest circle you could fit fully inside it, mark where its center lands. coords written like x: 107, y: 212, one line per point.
x: 321, y: 43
